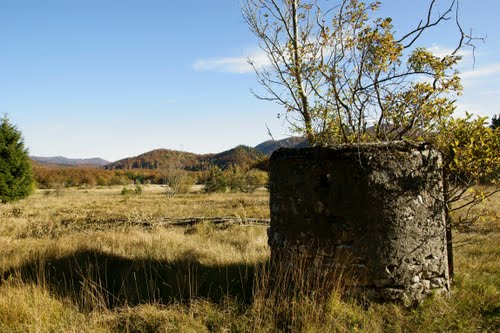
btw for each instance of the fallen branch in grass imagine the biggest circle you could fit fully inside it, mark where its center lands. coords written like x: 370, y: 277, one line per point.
x: 162, y: 222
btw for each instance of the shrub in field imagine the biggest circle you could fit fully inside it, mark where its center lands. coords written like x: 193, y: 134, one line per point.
x: 58, y: 188
x: 235, y: 178
x: 241, y: 179
x: 256, y: 178
x: 216, y: 180
x: 16, y: 175
x: 138, y: 189
x: 177, y: 179
x: 126, y: 191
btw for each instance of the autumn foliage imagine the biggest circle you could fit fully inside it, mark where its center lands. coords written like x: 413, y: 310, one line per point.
x: 50, y: 176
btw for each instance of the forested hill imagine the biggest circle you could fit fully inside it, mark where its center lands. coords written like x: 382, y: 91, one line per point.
x: 240, y: 155
x: 154, y: 159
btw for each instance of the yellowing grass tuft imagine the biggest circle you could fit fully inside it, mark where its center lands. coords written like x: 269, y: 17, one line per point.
x: 31, y: 308
x: 155, y: 318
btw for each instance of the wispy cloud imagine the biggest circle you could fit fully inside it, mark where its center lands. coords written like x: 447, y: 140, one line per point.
x: 235, y: 65
x: 485, y: 71
x: 441, y: 51
x: 240, y: 65
x: 468, y: 68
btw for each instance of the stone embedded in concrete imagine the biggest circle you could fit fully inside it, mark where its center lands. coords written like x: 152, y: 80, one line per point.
x: 377, y: 210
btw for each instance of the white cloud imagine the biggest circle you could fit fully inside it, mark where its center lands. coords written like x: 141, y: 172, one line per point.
x: 236, y: 65
x: 441, y: 51
x: 485, y: 71
x: 240, y: 65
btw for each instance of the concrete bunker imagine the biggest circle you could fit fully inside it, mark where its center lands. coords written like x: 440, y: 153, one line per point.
x: 380, y: 205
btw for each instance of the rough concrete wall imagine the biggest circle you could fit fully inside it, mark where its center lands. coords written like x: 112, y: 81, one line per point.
x: 379, y: 207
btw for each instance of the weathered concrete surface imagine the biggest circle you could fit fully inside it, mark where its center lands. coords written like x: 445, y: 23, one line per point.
x: 377, y: 207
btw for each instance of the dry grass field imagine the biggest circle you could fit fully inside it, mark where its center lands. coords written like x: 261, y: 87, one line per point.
x: 98, y: 261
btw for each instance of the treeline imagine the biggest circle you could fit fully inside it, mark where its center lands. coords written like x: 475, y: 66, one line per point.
x: 178, y: 180
x: 56, y: 176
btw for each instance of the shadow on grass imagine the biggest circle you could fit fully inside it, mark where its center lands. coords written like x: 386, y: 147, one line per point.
x: 94, y: 279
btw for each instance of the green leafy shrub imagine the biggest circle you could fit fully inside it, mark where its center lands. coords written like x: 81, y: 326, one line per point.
x: 215, y: 181
x: 245, y: 180
x: 138, y: 189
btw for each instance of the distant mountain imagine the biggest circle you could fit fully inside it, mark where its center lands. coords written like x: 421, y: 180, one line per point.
x: 239, y: 155
x: 268, y: 147
x: 59, y: 160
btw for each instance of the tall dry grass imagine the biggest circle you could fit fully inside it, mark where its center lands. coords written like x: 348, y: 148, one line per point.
x: 79, y: 262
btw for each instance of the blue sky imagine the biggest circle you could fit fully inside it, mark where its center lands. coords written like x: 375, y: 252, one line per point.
x: 116, y: 78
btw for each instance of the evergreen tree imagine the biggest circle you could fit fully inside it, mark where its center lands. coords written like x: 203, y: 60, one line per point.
x: 16, y: 175
x: 495, y: 122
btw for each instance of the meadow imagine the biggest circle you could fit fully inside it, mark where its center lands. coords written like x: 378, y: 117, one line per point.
x: 94, y: 260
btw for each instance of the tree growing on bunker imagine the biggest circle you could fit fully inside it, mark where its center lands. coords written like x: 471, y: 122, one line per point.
x: 16, y: 176
x: 344, y: 75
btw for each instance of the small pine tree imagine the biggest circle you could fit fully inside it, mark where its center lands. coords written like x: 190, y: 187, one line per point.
x: 16, y: 175
x: 495, y: 122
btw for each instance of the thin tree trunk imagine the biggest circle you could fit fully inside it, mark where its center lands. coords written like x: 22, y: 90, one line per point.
x: 298, y: 77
